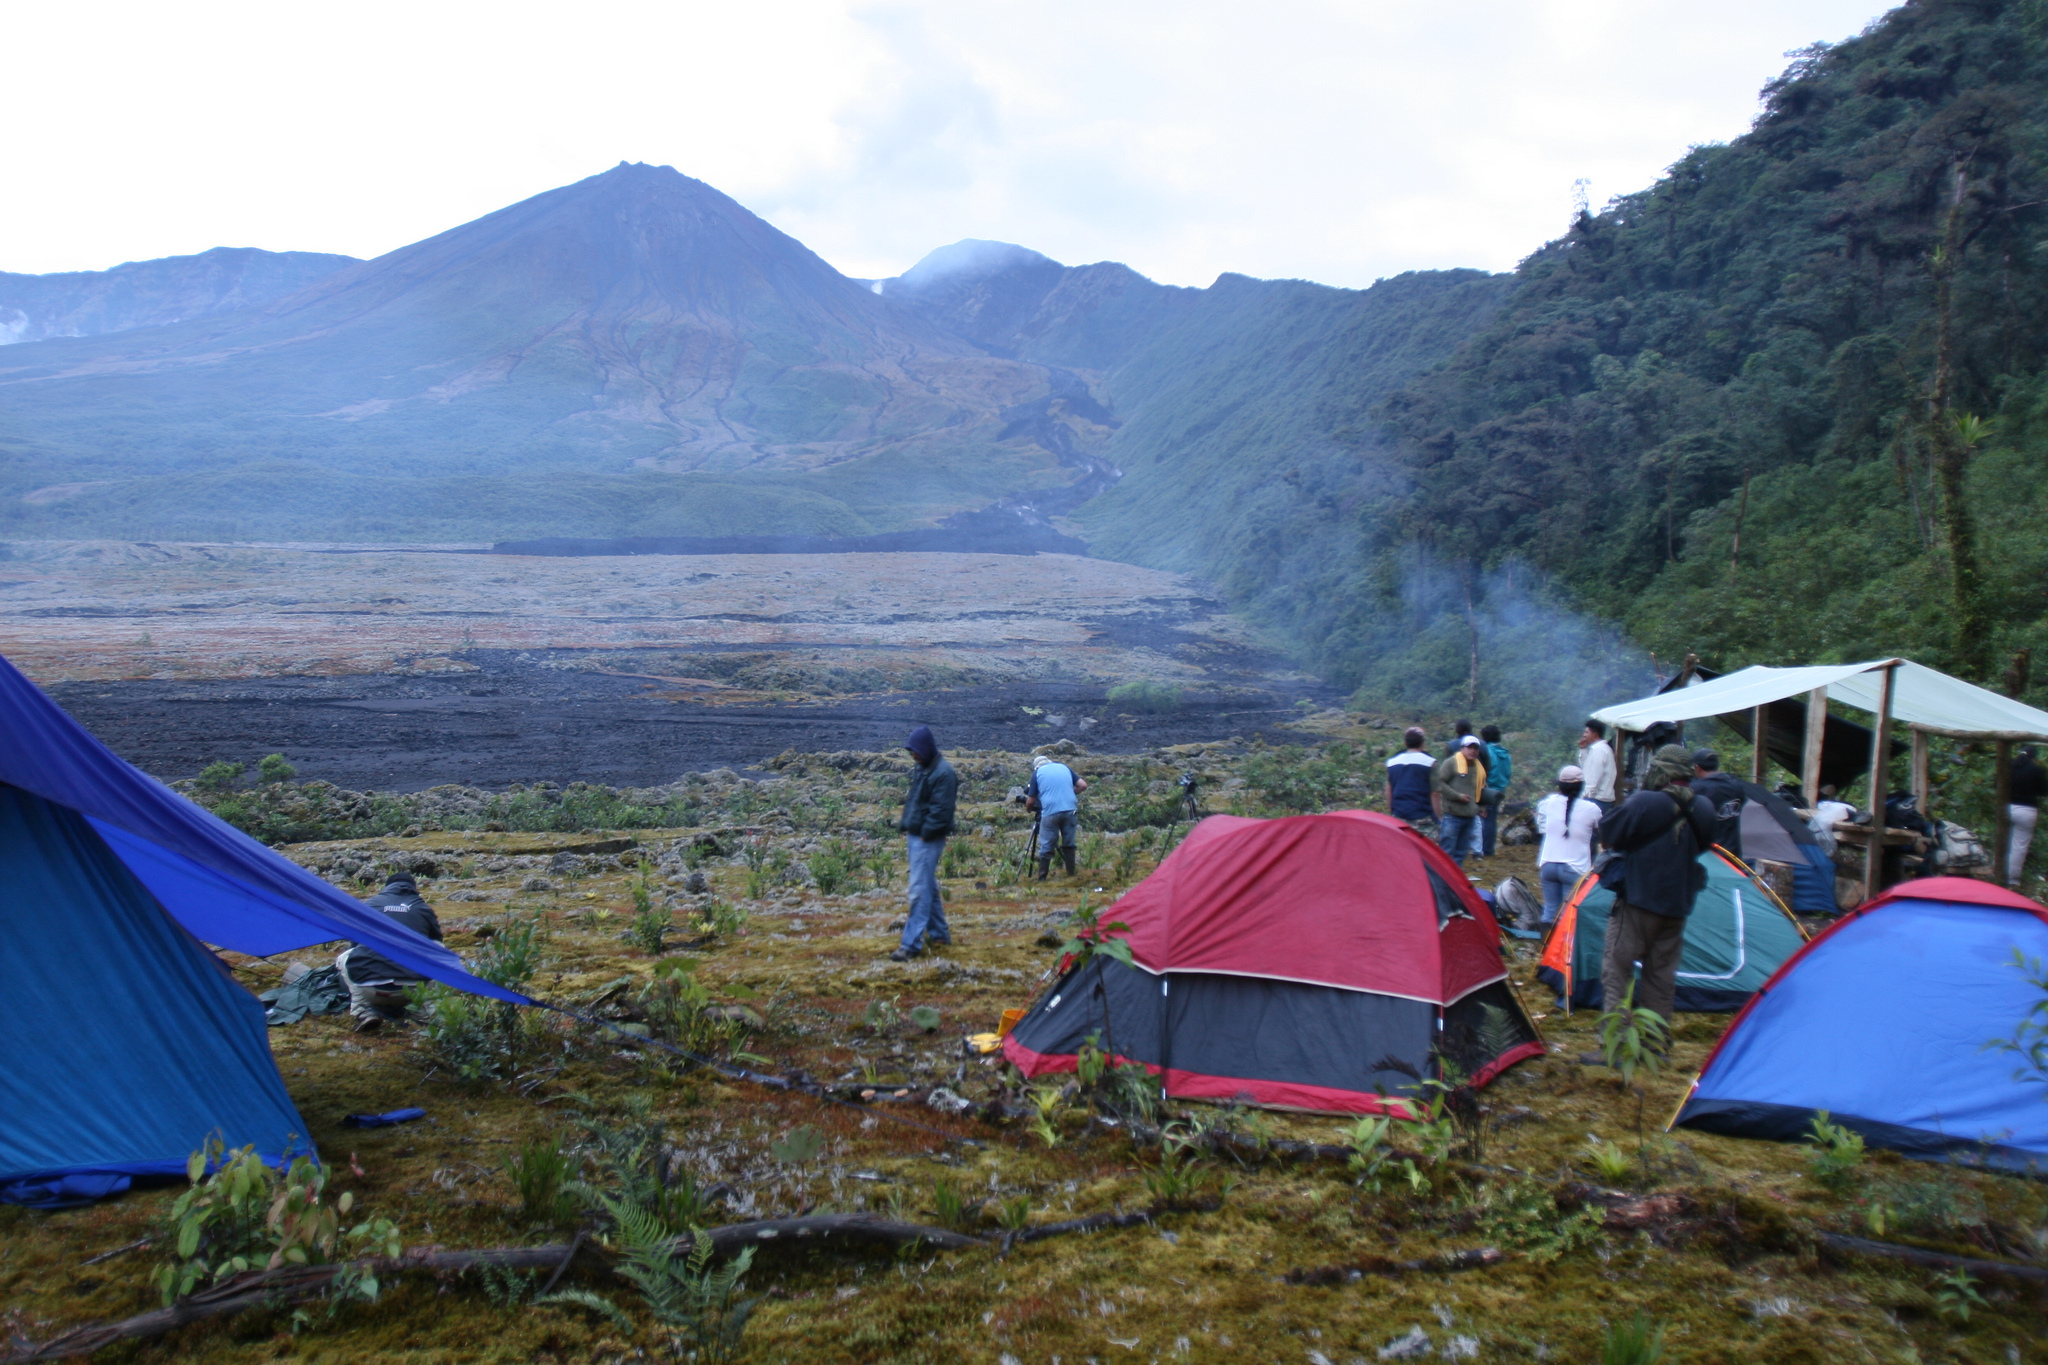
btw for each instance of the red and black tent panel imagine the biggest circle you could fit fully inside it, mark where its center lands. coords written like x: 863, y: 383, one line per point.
x: 1326, y: 963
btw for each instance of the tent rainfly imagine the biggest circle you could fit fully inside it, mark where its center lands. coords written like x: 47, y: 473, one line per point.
x: 1925, y: 700
x: 127, y: 1042
x: 1831, y: 1032
x: 1324, y: 963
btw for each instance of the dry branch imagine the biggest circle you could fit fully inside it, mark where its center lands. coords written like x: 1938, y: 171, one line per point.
x: 296, y: 1284
x: 1933, y: 1260
x: 1475, y: 1259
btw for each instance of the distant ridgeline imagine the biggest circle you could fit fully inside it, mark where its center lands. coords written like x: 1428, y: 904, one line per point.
x: 996, y: 533
x: 1823, y: 340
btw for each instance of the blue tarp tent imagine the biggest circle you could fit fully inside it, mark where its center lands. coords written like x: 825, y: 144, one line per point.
x: 126, y: 1042
x: 1884, y: 1022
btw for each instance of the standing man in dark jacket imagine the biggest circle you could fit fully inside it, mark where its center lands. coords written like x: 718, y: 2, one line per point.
x: 927, y: 820
x: 1724, y: 794
x: 1500, y: 770
x: 376, y: 984
x: 1660, y: 832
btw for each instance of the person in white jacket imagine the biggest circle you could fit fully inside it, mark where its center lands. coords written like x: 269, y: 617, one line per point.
x: 1596, y: 761
x: 1567, y: 822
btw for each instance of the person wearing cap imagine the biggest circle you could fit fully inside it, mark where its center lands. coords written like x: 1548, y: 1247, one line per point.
x: 1660, y: 832
x: 1567, y: 821
x: 927, y: 819
x: 376, y: 984
x: 1456, y: 788
x: 1722, y: 791
x: 1055, y: 792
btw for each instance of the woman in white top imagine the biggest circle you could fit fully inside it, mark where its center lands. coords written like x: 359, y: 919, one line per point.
x: 1567, y: 821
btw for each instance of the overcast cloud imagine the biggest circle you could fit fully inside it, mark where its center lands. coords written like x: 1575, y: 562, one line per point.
x: 1338, y: 142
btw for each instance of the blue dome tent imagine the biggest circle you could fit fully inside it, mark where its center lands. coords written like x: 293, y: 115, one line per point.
x: 127, y: 1041
x: 1883, y: 1021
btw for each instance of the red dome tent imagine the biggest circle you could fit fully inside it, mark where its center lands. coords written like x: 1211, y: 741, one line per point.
x: 1322, y: 962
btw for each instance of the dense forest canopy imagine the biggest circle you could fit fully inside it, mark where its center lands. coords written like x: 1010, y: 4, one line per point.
x: 1825, y: 339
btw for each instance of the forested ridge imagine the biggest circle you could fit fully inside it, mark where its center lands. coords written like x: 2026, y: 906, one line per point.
x: 1825, y: 337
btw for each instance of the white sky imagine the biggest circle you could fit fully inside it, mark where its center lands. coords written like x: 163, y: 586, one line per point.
x: 1332, y: 141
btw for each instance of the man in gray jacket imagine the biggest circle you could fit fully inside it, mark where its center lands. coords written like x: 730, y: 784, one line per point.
x: 927, y: 820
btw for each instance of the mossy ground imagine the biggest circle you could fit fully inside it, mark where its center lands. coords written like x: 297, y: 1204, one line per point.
x: 1736, y: 1277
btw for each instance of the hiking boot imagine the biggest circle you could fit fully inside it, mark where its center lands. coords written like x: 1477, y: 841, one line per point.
x: 369, y: 1025
x: 903, y: 955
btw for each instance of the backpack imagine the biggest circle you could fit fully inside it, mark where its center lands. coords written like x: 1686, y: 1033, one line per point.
x: 1958, y: 852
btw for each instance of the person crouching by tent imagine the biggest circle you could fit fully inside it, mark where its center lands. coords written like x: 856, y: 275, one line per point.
x: 1056, y: 788
x: 1456, y: 789
x: 376, y: 984
x: 1660, y: 832
x: 1566, y: 820
x: 1409, y: 778
x: 927, y: 820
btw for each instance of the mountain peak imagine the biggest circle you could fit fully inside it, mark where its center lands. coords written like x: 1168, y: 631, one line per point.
x: 970, y: 258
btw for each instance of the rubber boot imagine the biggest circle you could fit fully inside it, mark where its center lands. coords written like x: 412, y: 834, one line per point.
x: 1067, y: 857
x: 1044, y: 866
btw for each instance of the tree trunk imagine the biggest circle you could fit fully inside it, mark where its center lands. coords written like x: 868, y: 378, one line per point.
x: 1970, y: 632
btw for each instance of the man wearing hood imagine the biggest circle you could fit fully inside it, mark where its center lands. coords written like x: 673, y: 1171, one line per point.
x: 376, y: 984
x: 927, y: 820
x: 1660, y: 833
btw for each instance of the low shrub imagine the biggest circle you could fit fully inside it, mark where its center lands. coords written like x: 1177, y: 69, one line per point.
x: 1145, y: 696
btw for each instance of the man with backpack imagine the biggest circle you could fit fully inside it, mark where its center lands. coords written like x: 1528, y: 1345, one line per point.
x: 1659, y: 834
x: 1055, y: 793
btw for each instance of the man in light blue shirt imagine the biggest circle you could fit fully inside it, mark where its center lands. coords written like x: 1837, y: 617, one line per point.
x: 1056, y: 791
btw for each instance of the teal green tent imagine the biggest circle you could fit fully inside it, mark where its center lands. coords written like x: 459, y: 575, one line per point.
x: 1739, y: 933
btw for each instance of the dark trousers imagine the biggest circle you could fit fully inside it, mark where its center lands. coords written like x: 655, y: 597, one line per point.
x: 1657, y: 942
x: 1489, y: 821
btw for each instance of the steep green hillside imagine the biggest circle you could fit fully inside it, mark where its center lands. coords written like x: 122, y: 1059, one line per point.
x: 1826, y: 336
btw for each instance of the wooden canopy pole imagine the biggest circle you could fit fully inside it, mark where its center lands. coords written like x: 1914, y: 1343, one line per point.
x: 1920, y: 792
x: 1880, y: 770
x: 2001, y: 783
x: 1816, y: 731
x: 1759, y: 729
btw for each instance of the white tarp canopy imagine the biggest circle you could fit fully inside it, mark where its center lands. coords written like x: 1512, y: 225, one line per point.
x: 1922, y: 698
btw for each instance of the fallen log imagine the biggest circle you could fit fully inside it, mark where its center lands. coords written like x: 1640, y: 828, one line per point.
x: 1476, y: 1259
x: 1932, y: 1260
x: 297, y: 1284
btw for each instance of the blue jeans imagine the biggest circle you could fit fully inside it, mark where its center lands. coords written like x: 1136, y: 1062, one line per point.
x: 1558, y: 881
x: 1489, y: 821
x: 927, y: 912
x: 1459, y: 835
